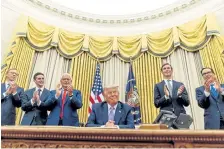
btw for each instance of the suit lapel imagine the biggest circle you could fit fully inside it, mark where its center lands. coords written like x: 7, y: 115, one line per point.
x: 43, y: 95
x: 67, y: 98
x: 3, y: 88
x: 174, y: 90
x: 118, y: 113
x: 31, y: 92
x: 61, y: 96
x: 18, y: 89
x: 162, y: 87
x: 105, y: 110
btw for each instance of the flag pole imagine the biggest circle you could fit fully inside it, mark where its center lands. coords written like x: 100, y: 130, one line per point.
x: 131, y: 69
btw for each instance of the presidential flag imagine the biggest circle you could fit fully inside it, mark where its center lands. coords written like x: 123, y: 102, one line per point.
x: 132, y: 96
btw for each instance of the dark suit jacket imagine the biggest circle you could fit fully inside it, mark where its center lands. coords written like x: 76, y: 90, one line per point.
x: 37, y: 112
x: 213, y: 109
x: 99, y: 115
x: 174, y: 104
x: 70, y: 117
x: 8, y: 104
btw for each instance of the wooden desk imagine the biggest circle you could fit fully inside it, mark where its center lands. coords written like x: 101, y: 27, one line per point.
x: 71, y: 137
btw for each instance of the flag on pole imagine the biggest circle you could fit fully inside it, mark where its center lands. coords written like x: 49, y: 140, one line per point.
x: 96, y: 95
x: 132, y: 96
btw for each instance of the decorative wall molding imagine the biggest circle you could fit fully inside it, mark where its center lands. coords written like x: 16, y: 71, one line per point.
x: 117, y: 19
x: 30, y: 8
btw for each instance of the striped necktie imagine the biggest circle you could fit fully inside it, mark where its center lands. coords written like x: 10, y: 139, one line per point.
x: 170, y: 87
x: 111, y: 114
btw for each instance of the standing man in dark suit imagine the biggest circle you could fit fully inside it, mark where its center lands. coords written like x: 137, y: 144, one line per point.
x: 33, y: 102
x: 11, y: 95
x: 210, y: 97
x: 63, y: 103
x: 111, y: 113
x: 169, y: 94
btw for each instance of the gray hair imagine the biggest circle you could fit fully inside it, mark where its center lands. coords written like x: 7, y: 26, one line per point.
x: 64, y: 74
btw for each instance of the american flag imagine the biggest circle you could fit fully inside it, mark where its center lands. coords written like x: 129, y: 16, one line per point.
x: 97, y: 90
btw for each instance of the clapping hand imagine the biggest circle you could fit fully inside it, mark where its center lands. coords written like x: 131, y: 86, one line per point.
x: 110, y: 123
x: 9, y: 90
x: 70, y: 90
x: 207, y: 84
x: 35, y: 96
x: 180, y: 90
x: 58, y: 90
x: 13, y: 87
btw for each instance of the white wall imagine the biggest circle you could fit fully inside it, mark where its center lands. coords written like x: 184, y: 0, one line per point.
x: 11, y: 10
x: 8, y: 20
x: 219, y: 11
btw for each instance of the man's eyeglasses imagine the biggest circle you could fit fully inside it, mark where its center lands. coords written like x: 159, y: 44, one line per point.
x: 14, y: 73
x: 206, y: 73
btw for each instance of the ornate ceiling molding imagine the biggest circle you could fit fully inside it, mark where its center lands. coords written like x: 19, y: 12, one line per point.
x: 115, y: 20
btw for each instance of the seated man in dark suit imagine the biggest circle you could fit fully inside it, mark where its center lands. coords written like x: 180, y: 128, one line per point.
x: 33, y: 102
x: 210, y: 97
x: 11, y: 95
x: 169, y: 94
x: 111, y: 112
x: 63, y: 103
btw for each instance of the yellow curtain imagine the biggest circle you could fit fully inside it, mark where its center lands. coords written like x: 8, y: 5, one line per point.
x: 82, y: 76
x: 129, y: 46
x: 21, y: 59
x: 147, y: 73
x: 70, y: 44
x: 211, y: 56
x: 39, y: 34
x: 193, y: 33
x: 191, y: 36
x: 100, y: 46
x: 160, y: 43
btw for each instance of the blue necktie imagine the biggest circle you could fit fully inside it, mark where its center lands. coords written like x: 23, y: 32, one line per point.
x: 111, y: 114
x: 214, y: 92
x: 39, y: 91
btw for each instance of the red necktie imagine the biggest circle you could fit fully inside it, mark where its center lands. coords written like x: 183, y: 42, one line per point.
x: 62, y: 104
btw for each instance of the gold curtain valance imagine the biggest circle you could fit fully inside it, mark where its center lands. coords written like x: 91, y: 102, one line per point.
x: 191, y: 36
